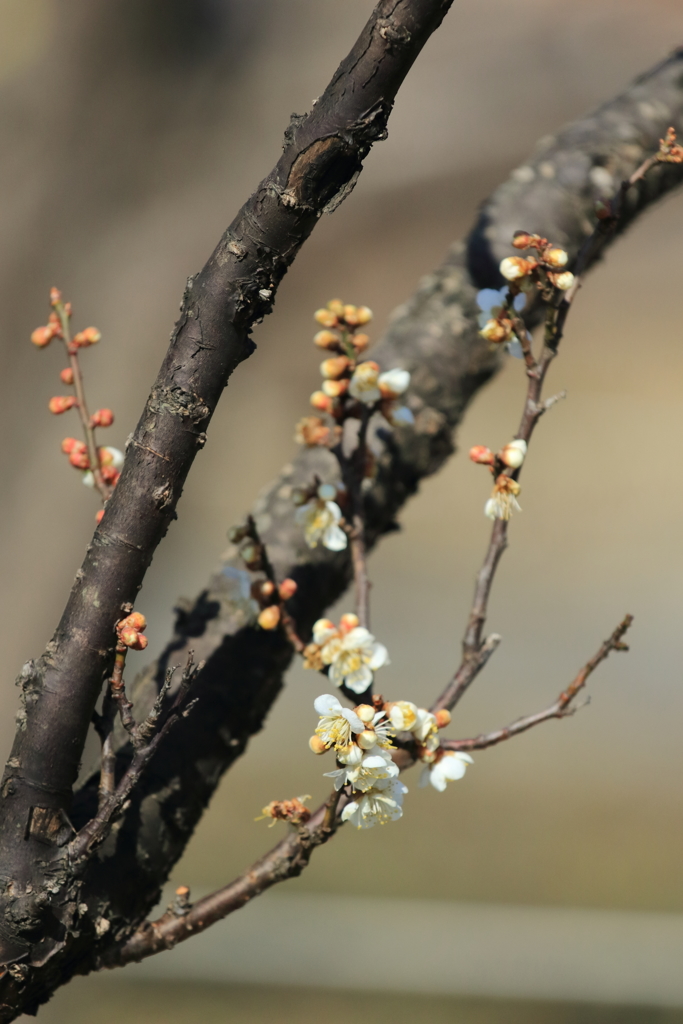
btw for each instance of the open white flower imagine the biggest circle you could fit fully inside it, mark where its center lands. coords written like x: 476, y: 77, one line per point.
x: 364, y: 384
x: 337, y: 723
x: 449, y: 768
x: 353, y: 657
x: 382, y: 803
x: 363, y: 770
x: 403, y: 715
x: 393, y: 383
x: 320, y: 520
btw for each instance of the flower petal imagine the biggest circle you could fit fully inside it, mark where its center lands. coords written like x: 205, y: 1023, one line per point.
x: 328, y: 705
x: 380, y: 656
x: 357, y: 681
x: 353, y: 719
x: 334, y: 538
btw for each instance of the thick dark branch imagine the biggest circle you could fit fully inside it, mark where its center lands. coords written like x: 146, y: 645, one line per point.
x: 560, y: 709
x: 322, y: 158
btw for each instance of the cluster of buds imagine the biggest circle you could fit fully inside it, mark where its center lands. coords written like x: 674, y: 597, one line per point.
x: 670, y: 151
x: 292, y: 811
x: 545, y: 267
x: 348, y: 383
x: 129, y: 632
x: 100, y: 466
x: 503, y: 501
x: 268, y: 595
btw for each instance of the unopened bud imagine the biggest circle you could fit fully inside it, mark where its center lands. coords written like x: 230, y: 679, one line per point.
x: 334, y: 368
x: 497, y: 331
x: 67, y: 376
x: 367, y: 739
x: 335, y: 388
x: 90, y: 336
x: 251, y: 555
x: 443, y: 718
x: 317, y: 745
x: 61, y: 403
x: 481, y: 454
x: 267, y: 588
x: 336, y: 306
x: 363, y: 315
x: 514, y: 267
x: 562, y: 281
x: 350, y: 315
x: 269, y: 617
x: 102, y: 418
x: 55, y: 296
x: 348, y: 622
x: 326, y: 339
x: 136, y: 620
x: 287, y: 588
x: 130, y: 637
x: 321, y: 401
x: 513, y: 453
x: 522, y: 239
x: 78, y: 457
x: 70, y: 443
x: 311, y: 431
x: 237, y: 533
x: 360, y: 342
x: 365, y: 712
x: 42, y: 336
x: 556, y: 258
x: 325, y: 317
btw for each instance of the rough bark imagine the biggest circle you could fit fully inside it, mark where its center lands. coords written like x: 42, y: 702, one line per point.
x: 435, y: 337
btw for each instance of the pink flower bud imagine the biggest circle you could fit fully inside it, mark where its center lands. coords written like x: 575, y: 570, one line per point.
x: 326, y: 339
x: 522, y: 239
x: 325, y: 317
x: 110, y: 475
x: 90, y: 336
x: 288, y: 588
x: 269, y: 617
x: 42, y: 336
x: 78, y: 457
x: 481, y: 454
x: 102, y: 418
x: 321, y: 401
x: 443, y: 718
x: 67, y: 376
x: 317, y: 745
x: 348, y: 622
x: 136, y: 620
x: 55, y: 296
x: 335, y: 388
x: 335, y: 367
x: 61, y: 403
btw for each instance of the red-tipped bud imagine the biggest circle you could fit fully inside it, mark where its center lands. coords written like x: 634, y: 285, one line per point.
x: 325, y: 317
x: 42, y: 336
x: 78, y: 457
x: 321, y: 401
x: 90, y: 336
x: 136, y: 620
x: 522, y: 239
x: 288, y: 588
x: 326, y: 339
x: 443, y: 718
x: 67, y: 376
x: 99, y: 517
x: 335, y: 367
x: 102, y: 418
x: 55, y: 296
x: 348, y: 622
x: 130, y: 637
x: 481, y: 454
x: 360, y: 342
x: 269, y: 617
x: 110, y: 475
x: 70, y: 444
x: 335, y: 388
x: 61, y: 403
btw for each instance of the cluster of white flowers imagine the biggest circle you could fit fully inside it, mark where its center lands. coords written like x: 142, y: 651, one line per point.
x: 361, y: 738
x: 320, y: 518
x: 350, y: 651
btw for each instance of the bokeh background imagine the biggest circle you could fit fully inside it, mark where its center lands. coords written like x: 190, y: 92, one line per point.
x: 132, y: 130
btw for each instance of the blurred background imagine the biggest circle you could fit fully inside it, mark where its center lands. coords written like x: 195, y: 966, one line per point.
x: 132, y: 131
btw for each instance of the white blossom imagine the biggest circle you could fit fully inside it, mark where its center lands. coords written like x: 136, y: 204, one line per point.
x: 363, y: 772
x: 353, y: 657
x: 337, y: 723
x: 382, y: 803
x: 403, y: 715
x: 393, y: 383
x: 364, y: 384
x: 320, y: 520
x: 449, y: 768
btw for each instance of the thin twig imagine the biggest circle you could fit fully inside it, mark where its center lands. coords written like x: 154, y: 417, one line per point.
x: 561, y: 708
x: 286, y: 860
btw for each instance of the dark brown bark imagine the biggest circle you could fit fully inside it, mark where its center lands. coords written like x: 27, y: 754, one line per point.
x: 436, y: 338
